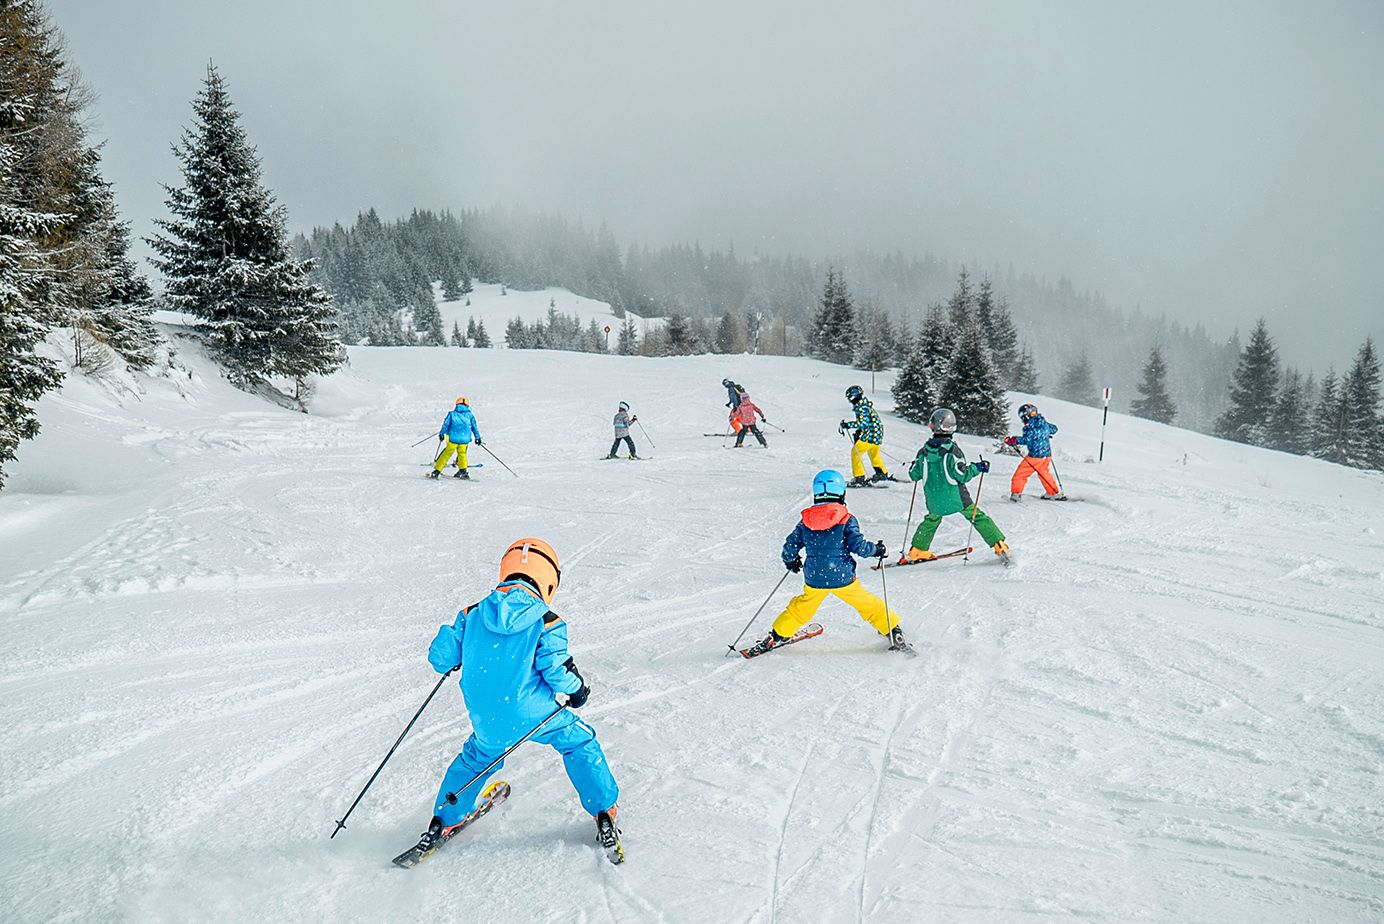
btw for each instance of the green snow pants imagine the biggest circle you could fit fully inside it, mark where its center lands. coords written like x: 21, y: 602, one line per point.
x: 922, y: 537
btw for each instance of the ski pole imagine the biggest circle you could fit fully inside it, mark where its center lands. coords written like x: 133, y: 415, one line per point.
x: 884, y: 584
x: 775, y: 426
x: 646, y: 434
x: 342, y: 823
x: 903, y: 550
x: 441, y: 447
x: 452, y: 796
x: 498, y: 459
x: 975, y: 508
x: 1052, y: 461
x: 422, y: 441
x: 732, y: 645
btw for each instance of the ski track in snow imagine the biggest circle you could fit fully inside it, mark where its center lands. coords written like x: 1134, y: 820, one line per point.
x: 1169, y: 709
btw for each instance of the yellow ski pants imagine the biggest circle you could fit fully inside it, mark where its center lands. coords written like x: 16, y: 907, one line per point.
x: 446, y: 454
x: 863, y: 448
x: 804, y: 606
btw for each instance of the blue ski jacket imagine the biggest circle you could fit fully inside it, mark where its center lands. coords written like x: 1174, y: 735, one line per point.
x: 459, y: 426
x: 1036, y: 435
x: 513, y: 654
x: 830, y: 534
x: 868, y: 427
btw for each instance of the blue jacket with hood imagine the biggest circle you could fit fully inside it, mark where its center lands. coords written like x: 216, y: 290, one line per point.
x: 459, y: 426
x: 830, y: 534
x: 513, y: 653
x: 1037, y: 433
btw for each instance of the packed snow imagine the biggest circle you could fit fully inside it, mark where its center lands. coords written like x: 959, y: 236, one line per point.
x: 495, y: 306
x: 216, y: 614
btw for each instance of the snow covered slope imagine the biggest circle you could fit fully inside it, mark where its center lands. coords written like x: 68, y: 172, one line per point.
x: 215, y: 615
x: 496, y: 310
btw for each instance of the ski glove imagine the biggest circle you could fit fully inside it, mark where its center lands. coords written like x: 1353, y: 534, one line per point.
x: 982, y: 466
x: 578, y: 699
x: 795, y: 565
x: 479, y: 442
x: 1011, y: 441
x: 880, y: 550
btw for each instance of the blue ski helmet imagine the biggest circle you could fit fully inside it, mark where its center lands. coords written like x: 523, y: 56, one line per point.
x: 1027, y: 412
x: 829, y: 485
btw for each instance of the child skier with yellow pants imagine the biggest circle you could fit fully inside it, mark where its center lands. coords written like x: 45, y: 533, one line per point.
x: 455, y: 435
x: 941, y: 466
x: 830, y: 534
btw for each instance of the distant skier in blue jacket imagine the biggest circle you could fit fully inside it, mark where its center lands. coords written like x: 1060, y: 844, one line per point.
x: 831, y: 535
x: 512, y: 650
x: 1036, y: 438
x: 457, y: 431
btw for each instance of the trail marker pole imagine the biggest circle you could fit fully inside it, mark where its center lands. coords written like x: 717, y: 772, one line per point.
x: 1105, y: 415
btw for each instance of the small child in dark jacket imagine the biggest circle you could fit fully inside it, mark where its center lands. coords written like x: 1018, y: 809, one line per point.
x: 831, y: 535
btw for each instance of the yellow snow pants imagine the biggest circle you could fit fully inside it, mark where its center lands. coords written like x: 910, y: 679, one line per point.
x: 863, y: 448
x: 804, y: 606
x: 446, y: 454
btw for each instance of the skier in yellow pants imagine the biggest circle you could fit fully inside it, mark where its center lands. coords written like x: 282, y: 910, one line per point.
x: 869, y: 434
x: 830, y: 535
x: 457, y: 431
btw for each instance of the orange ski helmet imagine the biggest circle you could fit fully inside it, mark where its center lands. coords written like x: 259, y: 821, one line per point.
x: 463, y: 400
x: 535, y: 560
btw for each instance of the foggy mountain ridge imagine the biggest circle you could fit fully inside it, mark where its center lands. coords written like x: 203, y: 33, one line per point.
x: 531, y: 250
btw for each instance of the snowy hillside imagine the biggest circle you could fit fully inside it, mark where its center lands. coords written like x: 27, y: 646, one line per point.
x: 215, y: 617
x: 496, y: 310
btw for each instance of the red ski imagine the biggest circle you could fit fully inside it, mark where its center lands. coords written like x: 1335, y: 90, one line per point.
x: 904, y: 562
x: 811, y: 630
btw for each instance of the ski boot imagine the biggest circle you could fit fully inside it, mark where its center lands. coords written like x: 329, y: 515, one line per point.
x: 1060, y: 495
x: 463, y: 474
x: 430, y: 839
x: 633, y: 457
x: 434, y: 474
x: 881, y: 475
x: 608, y: 836
x: 858, y: 482
x: 1002, y: 550
x: 917, y: 554
x: 772, y: 640
x: 612, y: 456
x: 1016, y: 497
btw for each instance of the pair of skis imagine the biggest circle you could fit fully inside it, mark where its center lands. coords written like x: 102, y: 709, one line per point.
x: 607, y: 834
x: 905, y: 563
x: 812, y: 630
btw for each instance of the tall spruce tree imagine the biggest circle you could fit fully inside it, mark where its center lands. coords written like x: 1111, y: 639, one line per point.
x: 1329, y: 421
x: 913, y: 393
x: 24, y: 375
x: 961, y: 307
x: 1078, y: 384
x: 1292, y: 425
x: 974, y: 390
x: 482, y: 340
x: 1000, y: 333
x: 628, y: 342
x: 458, y: 339
x: 1153, y: 402
x: 1361, y: 435
x: 937, y: 341
x: 226, y: 260
x: 875, y: 347
x: 1253, y: 391
x: 834, y: 334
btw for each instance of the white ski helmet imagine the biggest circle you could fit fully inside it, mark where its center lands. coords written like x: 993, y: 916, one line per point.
x: 943, y: 421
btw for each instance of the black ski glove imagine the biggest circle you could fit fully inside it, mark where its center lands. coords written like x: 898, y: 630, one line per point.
x: 982, y: 466
x: 578, y: 699
x: 795, y: 565
x: 479, y: 441
x: 880, y: 550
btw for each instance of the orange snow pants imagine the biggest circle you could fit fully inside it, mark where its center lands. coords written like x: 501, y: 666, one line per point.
x: 1032, y: 466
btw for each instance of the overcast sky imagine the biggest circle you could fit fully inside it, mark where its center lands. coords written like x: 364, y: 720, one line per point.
x: 1214, y: 161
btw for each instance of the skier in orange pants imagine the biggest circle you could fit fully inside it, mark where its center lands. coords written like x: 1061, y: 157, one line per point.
x: 1035, y: 438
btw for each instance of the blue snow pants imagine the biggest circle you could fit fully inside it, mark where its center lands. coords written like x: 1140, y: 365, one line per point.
x: 568, y: 735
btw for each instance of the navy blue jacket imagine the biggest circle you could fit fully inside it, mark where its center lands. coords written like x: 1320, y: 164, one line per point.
x: 830, y: 534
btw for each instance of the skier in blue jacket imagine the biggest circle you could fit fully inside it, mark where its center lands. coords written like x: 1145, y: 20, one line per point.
x: 1036, y: 438
x: 457, y: 431
x: 512, y: 651
x: 831, y: 535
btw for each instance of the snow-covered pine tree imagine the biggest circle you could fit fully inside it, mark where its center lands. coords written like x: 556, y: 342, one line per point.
x: 730, y: 334
x: 961, y: 307
x: 1253, y: 391
x: 833, y: 327
x: 628, y: 343
x: 24, y: 375
x: 225, y: 256
x: 679, y: 337
x: 1292, y: 426
x: 482, y: 339
x: 1077, y: 384
x: 937, y: 341
x: 913, y: 393
x: 1360, y: 399
x: 458, y: 339
x: 974, y: 389
x: 875, y: 346
x: 1153, y: 402
x: 427, y: 318
x: 1026, y: 375
x: 124, y: 318
x: 998, y: 324
x: 1329, y: 421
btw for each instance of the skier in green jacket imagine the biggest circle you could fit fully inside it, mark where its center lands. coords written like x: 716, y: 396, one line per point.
x: 941, y: 466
